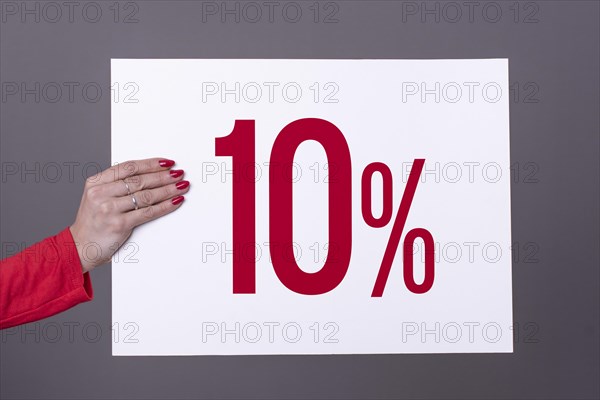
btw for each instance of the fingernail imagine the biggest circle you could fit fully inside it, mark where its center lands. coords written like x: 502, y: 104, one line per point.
x: 177, y: 200
x: 182, y: 185
x: 166, y: 163
x: 176, y: 173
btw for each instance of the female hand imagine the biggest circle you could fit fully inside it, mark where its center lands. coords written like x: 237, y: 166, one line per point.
x: 120, y: 198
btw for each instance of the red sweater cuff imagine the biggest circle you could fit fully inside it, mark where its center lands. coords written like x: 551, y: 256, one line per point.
x: 82, y: 283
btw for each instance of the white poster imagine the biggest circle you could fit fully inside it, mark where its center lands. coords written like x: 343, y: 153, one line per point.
x: 336, y: 207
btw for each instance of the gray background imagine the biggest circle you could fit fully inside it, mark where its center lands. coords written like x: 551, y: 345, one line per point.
x: 554, y: 64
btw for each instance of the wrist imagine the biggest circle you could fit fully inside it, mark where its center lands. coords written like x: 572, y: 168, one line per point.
x: 86, y: 265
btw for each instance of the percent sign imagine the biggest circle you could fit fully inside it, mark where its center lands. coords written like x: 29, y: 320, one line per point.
x: 398, y: 227
x: 240, y: 145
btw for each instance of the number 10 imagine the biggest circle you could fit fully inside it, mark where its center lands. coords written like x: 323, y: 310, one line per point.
x: 240, y: 145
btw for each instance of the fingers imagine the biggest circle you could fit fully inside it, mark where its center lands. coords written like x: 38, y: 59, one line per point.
x: 146, y: 214
x: 129, y: 168
x: 150, y: 197
x: 137, y: 183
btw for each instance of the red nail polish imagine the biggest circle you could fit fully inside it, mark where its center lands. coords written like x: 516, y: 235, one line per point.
x: 166, y: 163
x: 177, y: 200
x: 182, y: 185
x: 176, y: 173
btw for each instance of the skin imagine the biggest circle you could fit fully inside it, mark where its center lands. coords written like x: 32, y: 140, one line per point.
x: 107, y: 215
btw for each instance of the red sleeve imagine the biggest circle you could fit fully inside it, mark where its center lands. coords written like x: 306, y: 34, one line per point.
x: 42, y: 280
